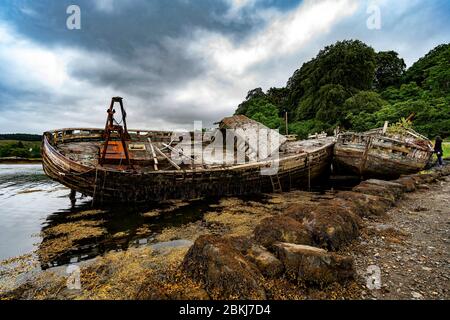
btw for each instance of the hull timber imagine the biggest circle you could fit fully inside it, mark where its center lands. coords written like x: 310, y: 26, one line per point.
x: 116, y: 183
x: 377, y: 155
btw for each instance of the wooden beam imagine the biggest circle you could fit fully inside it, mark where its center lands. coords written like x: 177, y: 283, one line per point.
x: 168, y: 159
x: 191, y: 158
x: 155, y: 159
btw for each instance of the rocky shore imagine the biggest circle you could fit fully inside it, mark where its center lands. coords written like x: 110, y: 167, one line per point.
x: 295, y: 245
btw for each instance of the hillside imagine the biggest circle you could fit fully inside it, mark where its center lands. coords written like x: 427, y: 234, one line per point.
x: 20, y: 149
x: 350, y: 85
x: 20, y: 137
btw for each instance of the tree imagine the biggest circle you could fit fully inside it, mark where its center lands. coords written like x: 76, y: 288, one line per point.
x: 320, y: 87
x: 360, y: 109
x: 330, y: 100
x: 349, y: 85
x: 279, y: 97
x: 361, y: 122
x: 432, y: 71
x: 260, y: 109
x: 303, y: 128
x: 389, y: 70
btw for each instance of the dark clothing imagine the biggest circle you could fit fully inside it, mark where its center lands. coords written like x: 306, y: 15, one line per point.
x: 440, y: 161
x: 438, y: 147
x: 439, y: 152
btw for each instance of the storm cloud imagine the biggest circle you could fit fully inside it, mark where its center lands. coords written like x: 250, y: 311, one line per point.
x: 179, y: 61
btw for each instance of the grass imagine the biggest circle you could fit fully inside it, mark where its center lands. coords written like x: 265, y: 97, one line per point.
x: 446, y: 149
x: 28, y: 144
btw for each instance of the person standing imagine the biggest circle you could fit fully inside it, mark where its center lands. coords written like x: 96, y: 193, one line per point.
x: 438, y: 150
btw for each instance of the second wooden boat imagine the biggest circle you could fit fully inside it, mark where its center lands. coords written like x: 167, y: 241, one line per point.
x: 378, y: 153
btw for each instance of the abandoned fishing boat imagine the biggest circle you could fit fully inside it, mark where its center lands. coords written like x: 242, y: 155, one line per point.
x: 117, y: 164
x: 382, y: 152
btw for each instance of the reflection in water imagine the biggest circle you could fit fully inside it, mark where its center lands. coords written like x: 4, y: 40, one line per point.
x: 37, y: 214
x: 86, y: 232
x: 27, y: 196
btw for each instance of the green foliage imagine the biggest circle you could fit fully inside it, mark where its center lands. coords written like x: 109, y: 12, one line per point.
x: 260, y: 109
x: 359, y: 110
x: 21, y: 137
x: 321, y: 86
x: 400, y: 126
x: 303, y: 128
x: 21, y: 149
x: 368, y: 101
x: 410, y: 91
x: 362, y: 122
x: 329, y: 101
x: 432, y: 72
x: 389, y: 70
x: 351, y: 86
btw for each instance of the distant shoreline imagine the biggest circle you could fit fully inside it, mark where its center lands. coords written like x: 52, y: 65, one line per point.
x: 20, y: 161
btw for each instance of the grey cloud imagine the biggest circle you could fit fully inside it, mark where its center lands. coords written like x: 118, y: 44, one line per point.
x: 136, y: 49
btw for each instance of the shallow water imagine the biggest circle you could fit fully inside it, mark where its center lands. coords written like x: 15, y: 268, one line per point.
x: 31, y: 203
x: 27, y: 197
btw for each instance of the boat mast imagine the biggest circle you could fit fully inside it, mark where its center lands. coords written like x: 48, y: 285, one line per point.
x: 110, y: 127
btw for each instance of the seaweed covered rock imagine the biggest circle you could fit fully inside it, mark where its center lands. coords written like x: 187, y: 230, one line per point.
x: 369, y: 205
x: 423, y: 178
x: 408, y: 182
x: 314, y: 265
x: 266, y: 262
x: 281, y: 229
x: 241, y: 243
x: 333, y: 223
x: 377, y: 190
x: 397, y: 188
x: 300, y: 210
x: 222, y: 269
x: 446, y: 170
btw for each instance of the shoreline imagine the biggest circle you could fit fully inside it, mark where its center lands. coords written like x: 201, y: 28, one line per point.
x: 20, y: 161
x: 397, y: 226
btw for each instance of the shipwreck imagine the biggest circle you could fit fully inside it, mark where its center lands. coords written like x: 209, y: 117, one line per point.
x: 122, y: 165
x: 382, y: 152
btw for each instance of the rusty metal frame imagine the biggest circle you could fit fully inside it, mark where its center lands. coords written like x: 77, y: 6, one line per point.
x: 110, y: 127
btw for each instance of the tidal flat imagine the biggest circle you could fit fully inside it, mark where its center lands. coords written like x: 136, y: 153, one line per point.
x: 236, y: 247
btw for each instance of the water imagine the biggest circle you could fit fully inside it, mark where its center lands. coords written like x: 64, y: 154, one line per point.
x: 27, y: 197
x: 30, y: 203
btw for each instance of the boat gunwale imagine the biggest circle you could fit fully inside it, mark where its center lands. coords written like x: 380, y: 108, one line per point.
x: 382, y: 137
x: 246, y: 166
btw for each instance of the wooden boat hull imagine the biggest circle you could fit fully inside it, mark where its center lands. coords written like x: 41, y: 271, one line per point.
x: 104, y: 184
x: 379, y: 156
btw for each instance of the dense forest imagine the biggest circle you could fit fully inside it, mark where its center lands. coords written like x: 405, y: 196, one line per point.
x: 351, y: 86
x: 20, y: 145
x: 21, y: 137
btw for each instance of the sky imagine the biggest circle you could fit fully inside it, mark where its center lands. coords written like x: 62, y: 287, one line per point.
x: 179, y: 61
